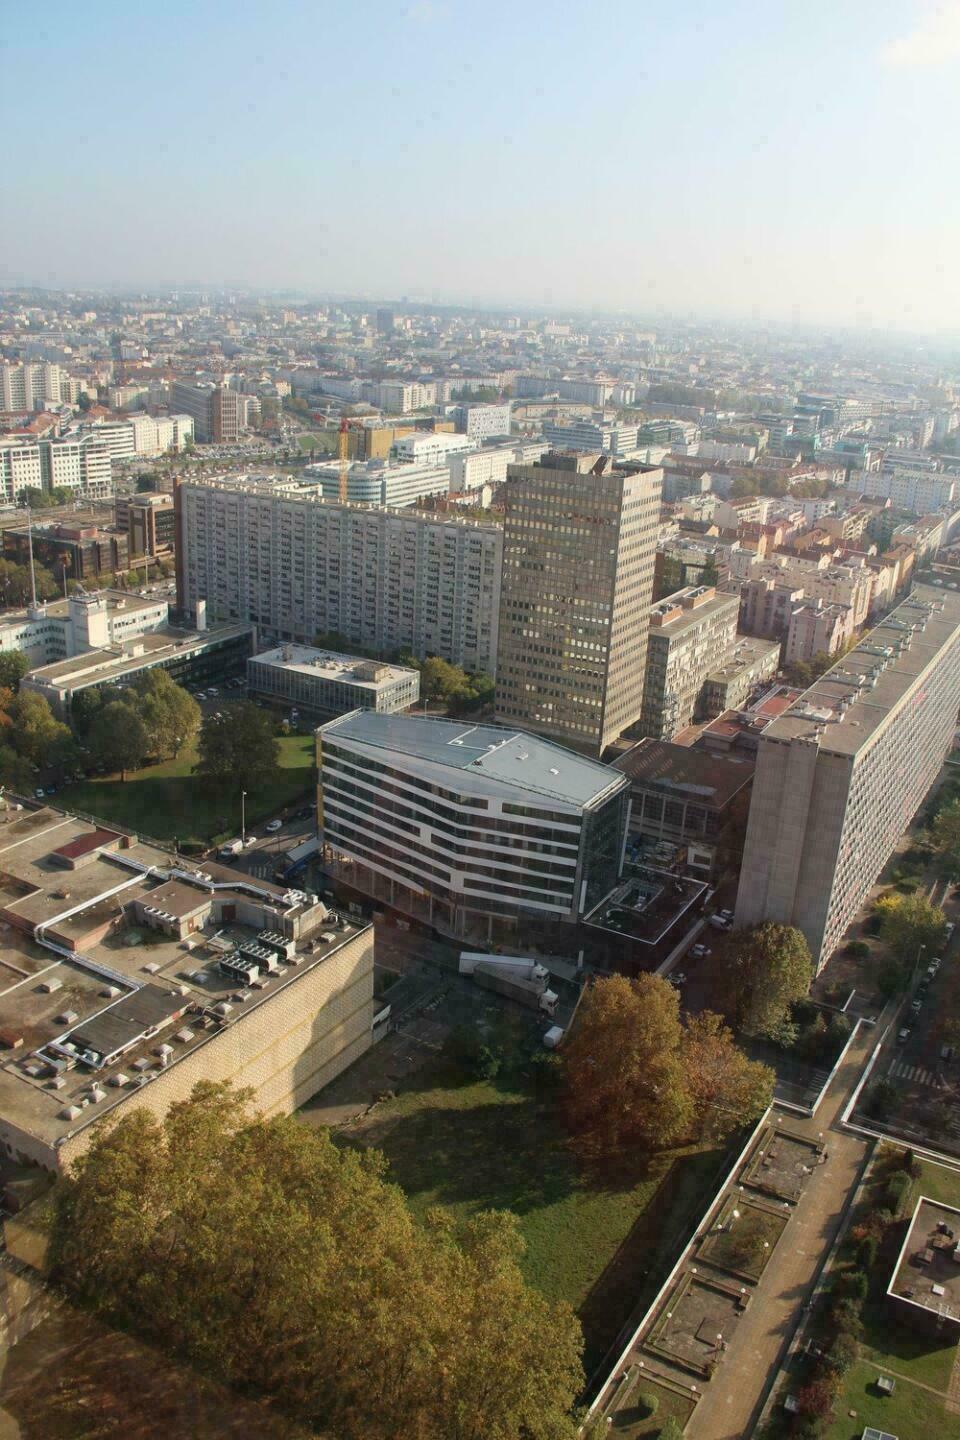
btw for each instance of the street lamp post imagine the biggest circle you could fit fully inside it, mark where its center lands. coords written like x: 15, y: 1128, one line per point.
x: 243, y: 816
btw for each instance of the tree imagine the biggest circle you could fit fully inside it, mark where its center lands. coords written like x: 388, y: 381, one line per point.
x: 621, y: 1064
x: 727, y: 1089
x: 36, y: 731
x: 15, y: 586
x: 84, y: 708
x: 239, y: 748
x: 440, y: 680
x: 908, y: 922
x: 170, y: 715
x: 15, y: 772
x: 259, y: 1250
x: 945, y: 831
x: 671, y: 1429
x: 766, y: 969
x: 118, y: 737
x: 13, y: 666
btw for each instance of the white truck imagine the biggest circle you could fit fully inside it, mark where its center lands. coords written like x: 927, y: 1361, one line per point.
x: 517, y: 978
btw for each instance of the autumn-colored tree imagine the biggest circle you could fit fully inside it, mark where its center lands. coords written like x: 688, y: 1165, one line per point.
x: 945, y: 830
x: 766, y: 969
x: 909, y: 921
x: 727, y: 1089
x: 282, y: 1264
x: 622, y: 1067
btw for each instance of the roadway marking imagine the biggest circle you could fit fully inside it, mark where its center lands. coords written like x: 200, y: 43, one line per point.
x: 915, y: 1073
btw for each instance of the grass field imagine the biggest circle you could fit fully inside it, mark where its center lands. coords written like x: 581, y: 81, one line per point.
x: 315, y: 442
x: 919, y: 1363
x: 598, y: 1238
x: 909, y: 1411
x: 167, y: 801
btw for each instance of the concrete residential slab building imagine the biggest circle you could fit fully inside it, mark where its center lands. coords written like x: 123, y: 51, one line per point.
x: 691, y: 634
x: 469, y: 827
x: 841, y: 773
x: 579, y: 544
x: 297, y: 567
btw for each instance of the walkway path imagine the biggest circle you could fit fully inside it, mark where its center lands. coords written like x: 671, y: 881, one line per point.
x: 734, y: 1396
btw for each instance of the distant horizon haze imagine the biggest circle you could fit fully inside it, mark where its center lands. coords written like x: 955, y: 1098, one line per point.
x: 744, y: 163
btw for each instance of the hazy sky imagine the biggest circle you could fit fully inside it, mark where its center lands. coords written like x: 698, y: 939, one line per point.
x: 756, y: 158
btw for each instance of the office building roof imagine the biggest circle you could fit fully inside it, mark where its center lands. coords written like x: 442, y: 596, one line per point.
x: 329, y: 665
x: 511, y: 757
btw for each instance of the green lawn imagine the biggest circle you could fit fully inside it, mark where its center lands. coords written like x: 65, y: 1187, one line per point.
x: 596, y: 1237
x: 889, y: 1340
x: 908, y: 1412
x: 168, y: 800
x: 315, y: 442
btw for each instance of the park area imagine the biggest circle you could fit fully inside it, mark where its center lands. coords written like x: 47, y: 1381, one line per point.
x: 919, y: 1394
x: 167, y: 801
x: 598, y: 1235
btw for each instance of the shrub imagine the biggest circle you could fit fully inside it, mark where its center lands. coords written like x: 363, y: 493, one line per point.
x: 850, y: 1285
x: 867, y: 1252
x: 857, y: 949
x: 817, y: 1398
x: 881, y: 1099
x: 844, y: 1317
x: 909, y: 1164
x: 648, y: 1402
x: 843, y: 1354
x: 671, y: 1429
x: 897, y: 1189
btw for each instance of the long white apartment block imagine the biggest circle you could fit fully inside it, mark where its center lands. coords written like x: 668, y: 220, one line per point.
x: 298, y: 566
x: 841, y: 774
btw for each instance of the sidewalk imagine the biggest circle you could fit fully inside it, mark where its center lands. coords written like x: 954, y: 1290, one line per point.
x: 733, y: 1397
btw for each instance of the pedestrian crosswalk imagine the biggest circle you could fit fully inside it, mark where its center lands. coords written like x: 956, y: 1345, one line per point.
x: 900, y: 1070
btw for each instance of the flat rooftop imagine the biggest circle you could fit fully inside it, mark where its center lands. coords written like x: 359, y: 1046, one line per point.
x: 97, y: 667
x: 747, y: 653
x: 853, y: 698
x: 511, y: 757
x: 60, y: 609
x: 281, y: 488
x: 123, y: 977
x: 676, y: 614
x: 696, y: 774
x: 329, y: 665
x: 927, y: 1272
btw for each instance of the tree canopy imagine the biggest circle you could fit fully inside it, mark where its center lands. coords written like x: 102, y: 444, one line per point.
x: 909, y: 921
x: 240, y: 747
x: 118, y: 737
x: 635, y: 1074
x: 15, y: 583
x: 13, y: 666
x: 170, y: 715
x: 944, y: 832
x: 36, y: 733
x: 264, y: 1254
x: 766, y: 969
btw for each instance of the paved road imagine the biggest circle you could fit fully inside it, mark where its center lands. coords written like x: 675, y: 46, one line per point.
x: 727, y: 1410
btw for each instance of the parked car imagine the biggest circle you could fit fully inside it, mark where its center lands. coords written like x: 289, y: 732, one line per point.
x: 950, y: 929
x: 39, y: 793
x: 719, y: 923
x: 916, y: 1006
x: 273, y: 826
x: 903, y: 1036
x: 677, y: 979
x: 700, y: 952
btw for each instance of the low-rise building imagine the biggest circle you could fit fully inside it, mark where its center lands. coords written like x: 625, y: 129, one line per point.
x: 243, y: 981
x: 689, y: 799
x: 375, y: 482
x: 190, y: 657
x: 471, y: 828
x: 325, y: 683
x: 924, y: 1289
x: 75, y: 552
x: 61, y: 628
x: 482, y: 422
x: 430, y: 447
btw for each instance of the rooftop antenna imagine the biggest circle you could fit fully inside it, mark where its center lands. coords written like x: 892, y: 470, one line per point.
x: 33, y: 578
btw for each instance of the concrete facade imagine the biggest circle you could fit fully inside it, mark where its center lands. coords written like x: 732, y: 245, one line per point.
x: 579, y: 546
x: 843, y: 771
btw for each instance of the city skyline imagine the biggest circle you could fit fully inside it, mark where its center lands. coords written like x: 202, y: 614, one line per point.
x: 743, y: 165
